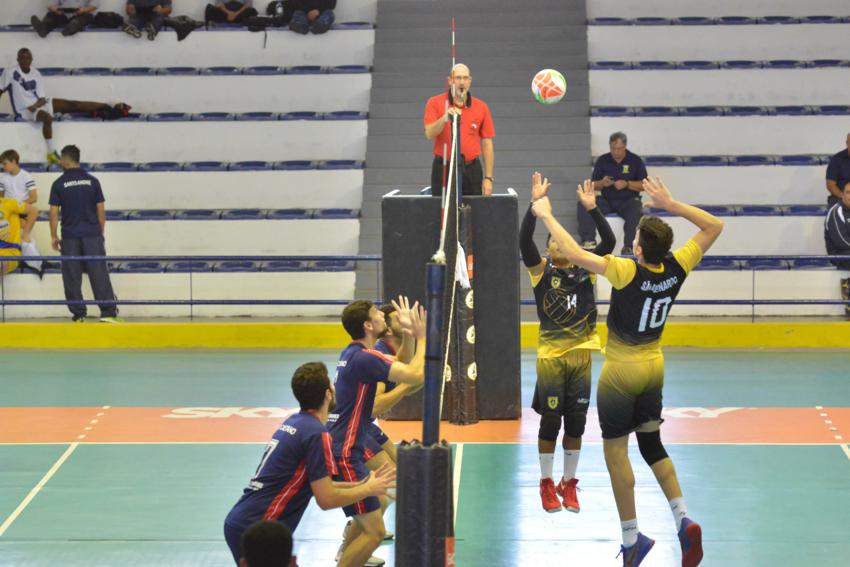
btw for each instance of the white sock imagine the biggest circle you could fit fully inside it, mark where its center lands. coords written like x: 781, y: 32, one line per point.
x: 30, y: 249
x: 547, y: 462
x: 679, y: 509
x: 570, y: 463
x: 51, y: 146
x: 630, y: 532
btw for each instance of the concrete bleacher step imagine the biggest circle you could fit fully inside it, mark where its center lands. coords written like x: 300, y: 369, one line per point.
x: 224, y: 237
x: 202, y: 48
x: 210, y: 93
x: 177, y: 285
x: 196, y: 141
x: 19, y: 11
x: 801, y: 41
x: 723, y: 135
x: 231, y: 190
x: 799, y: 86
x: 713, y: 8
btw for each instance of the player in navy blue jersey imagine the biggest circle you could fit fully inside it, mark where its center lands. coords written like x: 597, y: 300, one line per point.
x: 298, y: 463
x: 360, y: 369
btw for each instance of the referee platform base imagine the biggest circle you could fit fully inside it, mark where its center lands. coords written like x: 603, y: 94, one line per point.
x: 329, y: 334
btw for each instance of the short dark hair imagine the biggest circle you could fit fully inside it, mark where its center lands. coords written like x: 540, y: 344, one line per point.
x: 10, y: 155
x: 71, y: 153
x: 655, y: 239
x: 354, y: 315
x: 618, y: 136
x: 387, y: 309
x: 267, y: 544
x: 846, y: 185
x: 24, y: 50
x: 309, y: 384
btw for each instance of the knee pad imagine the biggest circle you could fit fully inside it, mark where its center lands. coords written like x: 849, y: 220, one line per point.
x: 650, y: 447
x: 574, y: 424
x: 550, y: 425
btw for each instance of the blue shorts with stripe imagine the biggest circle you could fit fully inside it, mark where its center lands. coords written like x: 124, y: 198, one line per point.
x: 353, y: 469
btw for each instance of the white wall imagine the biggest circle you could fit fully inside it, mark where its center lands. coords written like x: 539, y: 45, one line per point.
x: 722, y: 87
x: 712, y: 8
x: 201, y: 49
x: 232, y: 190
x: 263, y: 285
x: 19, y: 11
x: 778, y: 135
x: 678, y: 43
x: 757, y: 185
x: 224, y: 237
x: 276, y: 93
x: 196, y: 141
x: 750, y: 235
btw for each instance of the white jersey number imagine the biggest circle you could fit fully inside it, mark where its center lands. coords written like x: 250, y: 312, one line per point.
x: 659, y: 308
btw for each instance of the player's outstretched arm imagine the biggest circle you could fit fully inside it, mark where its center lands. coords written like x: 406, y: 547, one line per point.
x: 587, y: 198
x: 574, y: 253
x: 408, y: 343
x: 709, y: 225
x: 414, y: 371
x: 330, y: 494
x: 528, y: 250
x: 385, y: 401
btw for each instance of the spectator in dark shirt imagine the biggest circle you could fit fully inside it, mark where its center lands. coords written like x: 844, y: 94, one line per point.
x: 148, y: 15
x: 232, y: 12
x: 838, y: 174
x: 74, y: 15
x: 618, y: 175
x: 837, y: 235
x: 316, y: 16
x: 80, y: 199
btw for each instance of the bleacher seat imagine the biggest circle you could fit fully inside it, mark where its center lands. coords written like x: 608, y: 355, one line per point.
x: 656, y: 111
x: 759, y: 211
x: 663, y: 161
x: 284, y: 266
x: 784, y: 64
x: 115, y: 215
x: 305, y: 70
x: 76, y: 118
x: 820, y: 63
x: 347, y: 69
x: 188, y: 266
x: 340, y: 164
x: 331, y: 266
x: 302, y: 115
x: 236, y: 266
x: 792, y: 110
x: 250, y: 166
x: 116, y: 166
x: 765, y: 264
x: 7, y: 117
x: 141, y: 267
x: 778, y: 20
x: 264, y: 70
x: 289, y: 214
x: 611, y: 65
x: 212, y: 116
x: 651, y: 21
x: 177, y: 71
x: 798, y: 160
x: 197, y: 214
x: 150, y: 215
x: 832, y: 109
x: 336, y: 214
x: 736, y: 20
x: 805, y: 211
x: 821, y: 20
x: 613, y: 111
x: 705, y: 161
x: 694, y: 21
x: 205, y: 166
x: 609, y: 21
x: 745, y: 111
x: 811, y: 264
x: 222, y: 70
x: 345, y: 115
x: 161, y: 166
x: 718, y: 264
x: 698, y: 65
x: 135, y: 71
x: 257, y: 116
x: 701, y: 111
x: 751, y: 160
x: 243, y: 214
x: 169, y: 117
x: 53, y: 71
x: 654, y: 65
x: 294, y: 165
x: 93, y: 71
x: 719, y: 210
x: 740, y: 64
x: 34, y: 167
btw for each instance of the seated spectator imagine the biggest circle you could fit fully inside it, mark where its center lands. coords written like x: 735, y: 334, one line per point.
x: 267, y: 544
x: 17, y: 183
x: 837, y: 174
x: 315, y: 16
x: 231, y: 12
x: 11, y: 212
x: 148, y: 15
x: 29, y: 100
x: 837, y: 236
x: 74, y: 15
x: 619, y: 175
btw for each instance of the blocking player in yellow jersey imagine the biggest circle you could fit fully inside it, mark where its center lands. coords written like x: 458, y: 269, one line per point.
x: 629, y: 392
x: 566, y: 307
x: 11, y: 212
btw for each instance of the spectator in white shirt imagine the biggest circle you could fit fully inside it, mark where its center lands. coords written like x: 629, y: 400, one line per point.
x: 71, y: 15
x: 17, y: 183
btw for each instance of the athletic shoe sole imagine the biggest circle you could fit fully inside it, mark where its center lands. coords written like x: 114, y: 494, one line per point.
x: 694, y: 555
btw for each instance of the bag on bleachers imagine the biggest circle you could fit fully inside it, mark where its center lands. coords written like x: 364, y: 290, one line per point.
x: 107, y: 20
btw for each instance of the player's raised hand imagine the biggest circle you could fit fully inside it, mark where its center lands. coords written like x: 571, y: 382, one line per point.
x: 542, y: 208
x: 382, y: 480
x: 419, y: 319
x: 402, y: 308
x: 586, y: 195
x: 660, y: 196
x: 539, y: 186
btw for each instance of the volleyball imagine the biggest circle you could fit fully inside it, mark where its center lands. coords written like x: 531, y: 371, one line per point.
x: 549, y: 86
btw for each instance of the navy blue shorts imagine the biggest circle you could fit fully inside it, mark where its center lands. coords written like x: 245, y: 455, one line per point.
x: 371, y: 447
x: 375, y: 432
x: 233, y: 537
x: 353, y: 469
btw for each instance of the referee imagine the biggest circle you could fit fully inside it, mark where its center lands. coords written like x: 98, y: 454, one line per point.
x: 78, y: 196
x: 476, y: 135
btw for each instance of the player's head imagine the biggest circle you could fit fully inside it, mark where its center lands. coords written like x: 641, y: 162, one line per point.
x: 617, y: 143
x: 361, y: 319
x: 10, y: 160
x: 461, y: 80
x: 267, y: 544
x: 554, y: 252
x: 24, y: 59
x: 391, y: 318
x: 312, y: 387
x: 653, y: 240
x: 845, y: 194
x: 70, y: 157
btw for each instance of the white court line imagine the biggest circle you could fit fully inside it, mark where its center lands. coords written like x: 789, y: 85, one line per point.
x: 458, y: 464
x: 846, y: 450
x: 528, y: 443
x: 37, y: 488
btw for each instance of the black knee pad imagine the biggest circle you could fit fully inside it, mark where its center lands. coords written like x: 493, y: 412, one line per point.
x: 550, y: 425
x: 650, y: 447
x: 574, y: 424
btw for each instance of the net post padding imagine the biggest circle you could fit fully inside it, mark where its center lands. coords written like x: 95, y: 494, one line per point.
x: 424, y: 514
x: 465, y: 410
x: 435, y: 285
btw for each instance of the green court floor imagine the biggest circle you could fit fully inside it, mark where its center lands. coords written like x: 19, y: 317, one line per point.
x: 163, y: 504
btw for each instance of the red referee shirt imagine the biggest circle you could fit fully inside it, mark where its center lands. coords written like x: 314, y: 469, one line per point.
x: 475, y: 123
